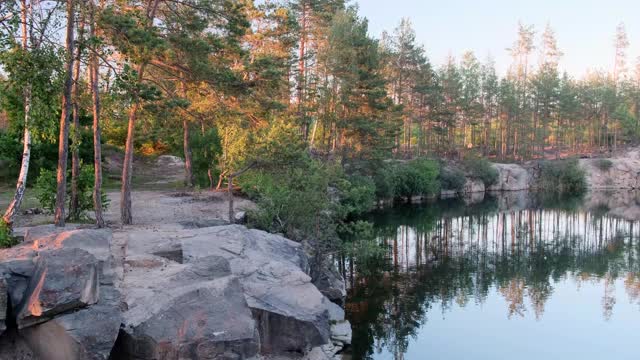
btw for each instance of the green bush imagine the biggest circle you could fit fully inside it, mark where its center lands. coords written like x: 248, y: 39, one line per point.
x: 603, y: 164
x: 383, y: 180
x: 357, y: 195
x: 46, y: 188
x: 416, y: 178
x: 565, y: 177
x: 6, y: 240
x: 481, y: 168
x: 290, y: 202
x: 452, y: 179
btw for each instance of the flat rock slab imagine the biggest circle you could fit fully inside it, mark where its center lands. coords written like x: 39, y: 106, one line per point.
x: 63, y: 280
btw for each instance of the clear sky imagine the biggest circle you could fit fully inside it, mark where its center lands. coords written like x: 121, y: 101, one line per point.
x: 585, y: 29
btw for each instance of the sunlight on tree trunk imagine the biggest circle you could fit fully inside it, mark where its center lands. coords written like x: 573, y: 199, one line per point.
x: 63, y: 140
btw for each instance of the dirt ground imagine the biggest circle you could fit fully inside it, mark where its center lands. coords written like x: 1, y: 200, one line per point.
x: 158, y: 197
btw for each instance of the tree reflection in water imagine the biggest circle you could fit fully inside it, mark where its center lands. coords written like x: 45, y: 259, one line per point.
x: 521, y: 246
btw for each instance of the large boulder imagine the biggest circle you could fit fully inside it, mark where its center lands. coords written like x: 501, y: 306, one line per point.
x: 184, y: 311
x: 87, y: 334
x: 63, y: 279
x: 511, y: 177
x: 16, y: 267
x: 330, y: 283
x: 60, y: 283
x: 291, y: 312
x: 622, y: 172
x: 279, y: 300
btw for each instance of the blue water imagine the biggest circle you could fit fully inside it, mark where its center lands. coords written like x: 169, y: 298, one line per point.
x: 524, y: 279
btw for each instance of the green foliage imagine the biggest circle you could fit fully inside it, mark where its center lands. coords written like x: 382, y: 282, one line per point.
x: 45, y: 189
x: 452, y: 179
x: 289, y: 187
x: 383, y: 179
x: 357, y: 195
x: 293, y: 202
x: 206, y: 149
x: 603, y: 164
x: 416, y: 178
x: 481, y: 168
x: 564, y: 177
x: 6, y: 239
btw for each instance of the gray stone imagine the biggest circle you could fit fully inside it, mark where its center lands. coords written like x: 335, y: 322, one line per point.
x: 16, y: 267
x: 472, y: 186
x: 240, y: 217
x: 3, y: 305
x: 209, y: 320
x: 169, y: 161
x: 291, y: 313
x: 87, y: 334
x: 13, y: 347
x: 330, y: 283
x: 512, y: 177
x: 63, y: 279
x: 336, y: 313
x: 341, y: 332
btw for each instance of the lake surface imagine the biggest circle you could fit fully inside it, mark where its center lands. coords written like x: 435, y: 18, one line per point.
x: 516, y: 277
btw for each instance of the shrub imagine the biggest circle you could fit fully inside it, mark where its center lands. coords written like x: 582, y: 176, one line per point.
x: 452, y: 179
x: 416, y: 178
x: 563, y: 176
x: 46, y: 188
x: 383, y: 180
x: 481, y: 168
x: 357, y: 195
x: 603, y: 164
x: 6, y: 240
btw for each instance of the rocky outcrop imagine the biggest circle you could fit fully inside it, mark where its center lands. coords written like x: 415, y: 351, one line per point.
x: 330, y: 283
x: 60, y: 285
x: 620, y: 172
x: 511, y: 177
x: 277, y: 296
x: 173, y: 292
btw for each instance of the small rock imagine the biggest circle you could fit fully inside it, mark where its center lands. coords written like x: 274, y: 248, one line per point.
x: 240, y: 217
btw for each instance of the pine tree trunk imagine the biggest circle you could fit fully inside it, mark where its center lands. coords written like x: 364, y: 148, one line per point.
x: 97, y: 146
x: 125, y: 194
x: 126, y: 215
x: 188, y: 163
x: 14, y: 205
x: 188, y: 171
x: 63, y: 140
x: 74, y: 211
x: 301, y: 67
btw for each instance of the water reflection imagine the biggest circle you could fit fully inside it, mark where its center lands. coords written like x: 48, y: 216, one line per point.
x: 512, y: 253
